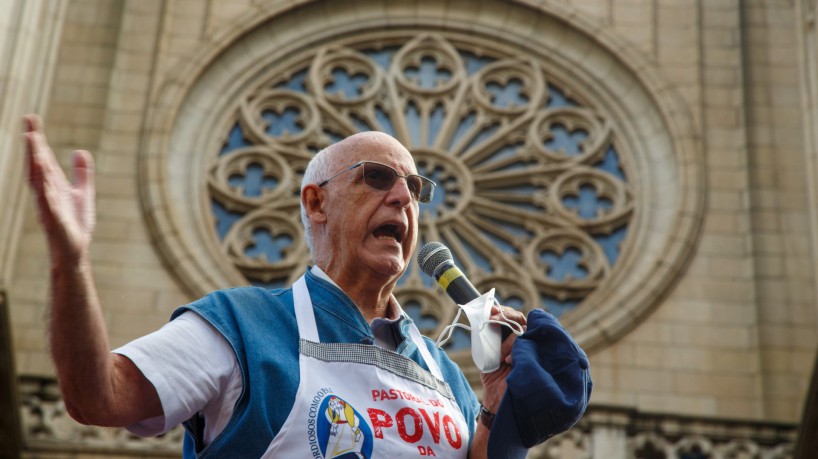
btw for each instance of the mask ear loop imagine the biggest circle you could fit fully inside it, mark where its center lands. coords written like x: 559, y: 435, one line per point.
x: 446, y: 334
x: 515, y: 328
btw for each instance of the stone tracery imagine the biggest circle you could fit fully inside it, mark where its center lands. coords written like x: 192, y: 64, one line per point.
x: 532, y: 198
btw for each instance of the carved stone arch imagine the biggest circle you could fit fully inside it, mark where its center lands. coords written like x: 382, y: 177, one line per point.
x: 574, y: 444
x: 650, y: 123
x: 649, y: 445
x: 742, y: 448
x: 694, y: 445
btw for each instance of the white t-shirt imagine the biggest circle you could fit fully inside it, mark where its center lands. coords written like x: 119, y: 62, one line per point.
x: 194, y: 369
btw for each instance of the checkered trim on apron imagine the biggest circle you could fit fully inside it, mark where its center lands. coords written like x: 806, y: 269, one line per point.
x: 373, y: 355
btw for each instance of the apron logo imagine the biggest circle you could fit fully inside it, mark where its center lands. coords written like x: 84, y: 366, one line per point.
x: 336, y: 430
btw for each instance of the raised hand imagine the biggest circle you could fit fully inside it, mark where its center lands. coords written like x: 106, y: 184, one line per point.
x: 98, y: 387
x: 67, y: 211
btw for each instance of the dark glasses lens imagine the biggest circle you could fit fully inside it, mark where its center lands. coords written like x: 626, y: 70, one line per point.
x: 382, y: 177
x: 379, y: 176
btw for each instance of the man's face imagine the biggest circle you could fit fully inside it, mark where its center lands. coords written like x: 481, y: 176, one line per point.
x: 370, y: 229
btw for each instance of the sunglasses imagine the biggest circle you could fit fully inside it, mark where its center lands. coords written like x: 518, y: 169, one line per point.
x: 382, y: 177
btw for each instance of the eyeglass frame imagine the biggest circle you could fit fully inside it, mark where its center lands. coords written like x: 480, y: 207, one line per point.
x: 397, y: 176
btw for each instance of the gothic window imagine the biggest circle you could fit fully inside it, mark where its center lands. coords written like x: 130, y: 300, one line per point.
x: 570, y: 175
x: 533, y: 196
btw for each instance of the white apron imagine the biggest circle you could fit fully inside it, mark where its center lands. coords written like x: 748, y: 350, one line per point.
x: 363, y: 401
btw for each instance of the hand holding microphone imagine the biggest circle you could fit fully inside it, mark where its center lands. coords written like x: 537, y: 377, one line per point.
x: 435, y: 259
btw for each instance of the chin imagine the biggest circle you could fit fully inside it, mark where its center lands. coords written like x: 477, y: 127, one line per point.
x: 396, y: 270
x: 392, y: 269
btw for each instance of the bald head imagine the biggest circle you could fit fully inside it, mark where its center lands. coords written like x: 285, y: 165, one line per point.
x: 367, y: 144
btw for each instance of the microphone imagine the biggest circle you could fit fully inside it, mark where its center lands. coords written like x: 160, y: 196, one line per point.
x: 435, y: 259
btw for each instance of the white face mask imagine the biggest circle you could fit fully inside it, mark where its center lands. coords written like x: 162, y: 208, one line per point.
x: 486, y: 334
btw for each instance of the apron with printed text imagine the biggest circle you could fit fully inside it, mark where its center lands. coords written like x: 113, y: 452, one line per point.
x: 363, y: 401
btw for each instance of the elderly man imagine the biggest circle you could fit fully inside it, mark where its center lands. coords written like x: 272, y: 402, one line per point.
x: 331, y: 367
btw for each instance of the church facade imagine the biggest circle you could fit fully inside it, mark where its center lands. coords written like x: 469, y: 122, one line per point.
x: 645, y: 170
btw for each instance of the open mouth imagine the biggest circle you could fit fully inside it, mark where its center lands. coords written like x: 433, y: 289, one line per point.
x: 389, y: 231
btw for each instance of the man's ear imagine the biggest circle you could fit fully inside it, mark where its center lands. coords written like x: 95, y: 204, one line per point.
x: 312, y: 198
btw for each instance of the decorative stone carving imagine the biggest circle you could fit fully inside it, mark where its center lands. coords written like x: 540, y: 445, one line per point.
x: 46, y: 424
x: 577, y: 192
x: 723, y: 442
x: 531, y: 185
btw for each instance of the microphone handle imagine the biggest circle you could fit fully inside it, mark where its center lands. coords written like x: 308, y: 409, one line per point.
x: 455, y: 283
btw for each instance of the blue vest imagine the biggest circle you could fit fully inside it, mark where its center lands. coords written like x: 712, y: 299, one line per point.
x: 260, y: 326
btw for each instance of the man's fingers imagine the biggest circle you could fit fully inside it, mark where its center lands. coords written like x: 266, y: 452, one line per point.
x: 511, y: 315
x: 506, y: 346
x: 84, y: 185
x: 33, y: 127
x: 59, y: 202
x: 497, y: 375
x: 83, y: 169
x: 41, y: 160
x: 31, y: 123
x: 35, y: 172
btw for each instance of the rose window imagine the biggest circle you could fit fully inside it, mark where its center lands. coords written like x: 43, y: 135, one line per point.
x: 533, y: 196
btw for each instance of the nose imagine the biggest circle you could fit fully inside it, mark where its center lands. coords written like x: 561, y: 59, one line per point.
x: 399, y: 195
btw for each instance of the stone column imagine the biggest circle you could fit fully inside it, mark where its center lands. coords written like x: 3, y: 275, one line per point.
x: 609, y: 436
x: 29, y: 40
x: 10, y: 430
x: 806, y: 11
x: 30, y: 33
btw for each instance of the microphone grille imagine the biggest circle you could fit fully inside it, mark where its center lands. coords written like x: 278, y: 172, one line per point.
x: 433, y: 255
